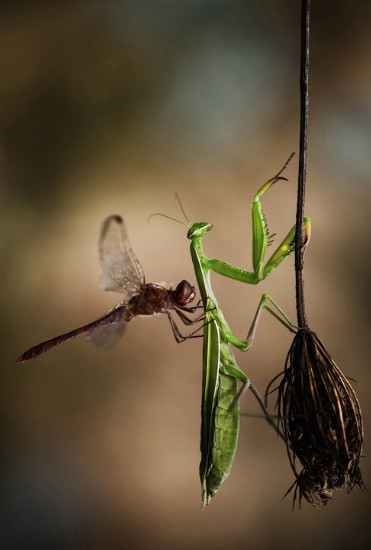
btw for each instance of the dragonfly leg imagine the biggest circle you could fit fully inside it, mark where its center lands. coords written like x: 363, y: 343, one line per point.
x: 179, y: 337
x: 186, y: 320
x: 192, y: 309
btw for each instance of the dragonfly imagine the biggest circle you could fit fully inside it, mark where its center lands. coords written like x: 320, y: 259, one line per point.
x: 122, y: 272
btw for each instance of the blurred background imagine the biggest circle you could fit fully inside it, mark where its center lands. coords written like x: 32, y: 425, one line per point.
x: 112, y: 107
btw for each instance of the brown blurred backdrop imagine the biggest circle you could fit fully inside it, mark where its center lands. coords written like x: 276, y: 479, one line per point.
x: 112, y: 107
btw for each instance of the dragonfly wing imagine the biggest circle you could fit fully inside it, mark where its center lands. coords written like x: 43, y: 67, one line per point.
x: 106, y: 336
x: 121, y: 268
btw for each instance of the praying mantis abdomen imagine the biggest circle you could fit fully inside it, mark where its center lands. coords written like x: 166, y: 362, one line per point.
x: 225, y: 436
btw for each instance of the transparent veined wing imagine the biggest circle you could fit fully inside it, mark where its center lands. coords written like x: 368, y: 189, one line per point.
x: 105, y: 337
x: 121, y: 269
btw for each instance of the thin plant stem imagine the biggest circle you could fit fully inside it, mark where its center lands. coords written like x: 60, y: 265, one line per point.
x: 303, y: 144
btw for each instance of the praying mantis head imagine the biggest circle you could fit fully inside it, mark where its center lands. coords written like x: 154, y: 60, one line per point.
x: 199, y: 229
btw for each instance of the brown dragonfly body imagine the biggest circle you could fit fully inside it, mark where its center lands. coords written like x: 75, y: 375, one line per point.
x: 122, y: 272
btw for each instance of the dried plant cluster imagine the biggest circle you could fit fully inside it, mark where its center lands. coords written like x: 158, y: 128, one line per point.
x: 321, y: 420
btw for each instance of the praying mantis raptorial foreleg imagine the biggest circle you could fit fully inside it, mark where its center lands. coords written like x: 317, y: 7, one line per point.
x: 220, y: 418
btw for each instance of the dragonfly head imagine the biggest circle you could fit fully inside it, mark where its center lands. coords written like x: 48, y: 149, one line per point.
x: 183, y: 294
x: 199, y: 229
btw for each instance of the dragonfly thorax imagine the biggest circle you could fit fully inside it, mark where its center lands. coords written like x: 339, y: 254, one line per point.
x: 151, y: 299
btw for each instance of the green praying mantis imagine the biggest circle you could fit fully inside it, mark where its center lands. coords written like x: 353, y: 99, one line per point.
x: 220, y: 414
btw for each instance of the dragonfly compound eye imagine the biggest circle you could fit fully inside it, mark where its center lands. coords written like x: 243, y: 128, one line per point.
x: 184, y: 293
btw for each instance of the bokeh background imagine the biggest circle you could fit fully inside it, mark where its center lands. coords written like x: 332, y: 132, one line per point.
x: 112, y: 107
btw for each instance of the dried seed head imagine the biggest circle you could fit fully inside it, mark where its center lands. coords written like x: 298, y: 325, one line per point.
x: 321, y: 420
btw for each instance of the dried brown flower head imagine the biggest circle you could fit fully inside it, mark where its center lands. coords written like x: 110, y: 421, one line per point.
x: 321, y: 420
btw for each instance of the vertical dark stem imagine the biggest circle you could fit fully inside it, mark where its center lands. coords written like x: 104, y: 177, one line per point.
x: 303, y: 140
